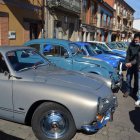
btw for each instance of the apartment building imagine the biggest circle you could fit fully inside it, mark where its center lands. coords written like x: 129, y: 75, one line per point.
x: 89, y: 30
x: 105, y: 21
x: 122, y: 21
x: 20, y: 21
x: 62, y: 19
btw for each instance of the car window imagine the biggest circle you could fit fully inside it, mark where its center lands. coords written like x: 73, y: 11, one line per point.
x: 73, y: 48
x: 104, y: 46
x: 90, y: 50
x: 25, y: 59
x: 54, y: 50
x: 36, y: 46
x: 3, y: 66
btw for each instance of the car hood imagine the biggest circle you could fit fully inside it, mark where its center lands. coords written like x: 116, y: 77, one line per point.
x: 107, y: 58
x: 93, y: 60
x: 121, y: 59
x: 115, y: 53
x: 119, y: 51
x: 65, y: 77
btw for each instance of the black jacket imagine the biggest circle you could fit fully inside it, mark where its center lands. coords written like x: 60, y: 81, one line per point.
x: 136, y: 60
x: 131, y: 52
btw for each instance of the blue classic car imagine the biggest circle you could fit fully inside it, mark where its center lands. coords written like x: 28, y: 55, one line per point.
x: 109, y: 47
x: 66, y: 54
x: 101, y: 50
x: 89, y: 51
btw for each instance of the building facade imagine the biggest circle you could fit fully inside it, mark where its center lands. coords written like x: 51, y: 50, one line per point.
x: 89, y: 30
x: 62, y: 19
x: 20, y: 21
x: 123, y: 20
x: 105, y: 22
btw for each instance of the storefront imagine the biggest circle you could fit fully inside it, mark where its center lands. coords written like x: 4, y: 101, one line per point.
x: 19, y: 22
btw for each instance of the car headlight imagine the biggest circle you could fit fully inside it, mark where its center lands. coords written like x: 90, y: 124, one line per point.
x: 100, y: 105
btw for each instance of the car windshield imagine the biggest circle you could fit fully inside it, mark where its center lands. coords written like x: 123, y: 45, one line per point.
x: 74, y: 48
x: 26, y: 59
x: 104, y: 46
x: 111, y: 45
x: 90, y: 50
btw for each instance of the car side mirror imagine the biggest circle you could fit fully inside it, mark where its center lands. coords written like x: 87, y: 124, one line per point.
x: 66, y: 55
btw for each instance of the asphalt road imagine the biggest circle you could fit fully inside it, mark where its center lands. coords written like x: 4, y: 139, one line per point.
x: 125, y: 126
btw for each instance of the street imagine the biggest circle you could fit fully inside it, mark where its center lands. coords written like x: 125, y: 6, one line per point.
x: 125, y: 126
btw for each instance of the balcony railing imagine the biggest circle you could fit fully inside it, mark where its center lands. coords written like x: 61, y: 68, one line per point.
x: 73, y: 5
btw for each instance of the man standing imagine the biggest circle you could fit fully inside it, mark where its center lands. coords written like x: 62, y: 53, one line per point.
x: 132, y: 69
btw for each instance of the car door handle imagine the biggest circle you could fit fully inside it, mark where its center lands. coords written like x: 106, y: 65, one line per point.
x: 15, y: 77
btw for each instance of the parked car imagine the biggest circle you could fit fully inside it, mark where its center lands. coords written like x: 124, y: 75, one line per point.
x: 101, y: 50
x: 109, y: 47
x: 66, y: 54
x: 56, y: 101
x: 117, y: 45
x: 89, y: 51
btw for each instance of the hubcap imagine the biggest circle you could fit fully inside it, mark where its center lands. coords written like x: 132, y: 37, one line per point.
x: 54, y: 124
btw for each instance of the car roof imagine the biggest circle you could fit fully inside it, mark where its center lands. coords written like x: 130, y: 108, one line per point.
x: 83, y: 43
x: 43, y: 40
x: 5, y: 49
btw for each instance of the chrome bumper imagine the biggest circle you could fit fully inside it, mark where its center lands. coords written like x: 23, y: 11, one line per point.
x: 119, y: 83
x: 108, y: 116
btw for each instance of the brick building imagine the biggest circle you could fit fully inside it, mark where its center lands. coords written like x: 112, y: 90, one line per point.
x: 20, y: 21
x: 123, y: 20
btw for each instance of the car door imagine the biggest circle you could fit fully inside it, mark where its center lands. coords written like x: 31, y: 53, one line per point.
x: 58, y: 55
x: 6, y: 103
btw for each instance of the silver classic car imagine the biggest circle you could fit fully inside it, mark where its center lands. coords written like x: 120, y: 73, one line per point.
x: 55, y: 101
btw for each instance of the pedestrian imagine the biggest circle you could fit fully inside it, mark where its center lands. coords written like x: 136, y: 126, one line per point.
x: 132, y: 69
x: 136, y: 61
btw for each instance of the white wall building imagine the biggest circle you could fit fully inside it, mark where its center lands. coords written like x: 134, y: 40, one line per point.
x: 136, y: 24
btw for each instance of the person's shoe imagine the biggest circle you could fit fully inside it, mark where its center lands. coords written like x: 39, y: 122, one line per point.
x: 137, y: 102
x: 126, y: 94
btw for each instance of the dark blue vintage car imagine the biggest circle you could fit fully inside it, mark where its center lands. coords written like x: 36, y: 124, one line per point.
x: 89, y: 51
x: 67, y: 54
x: 100, y: 50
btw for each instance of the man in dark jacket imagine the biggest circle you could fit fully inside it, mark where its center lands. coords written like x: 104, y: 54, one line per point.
x: 132, y: 69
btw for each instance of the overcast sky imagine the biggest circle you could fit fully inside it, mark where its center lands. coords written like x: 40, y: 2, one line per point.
x: 135, y: 4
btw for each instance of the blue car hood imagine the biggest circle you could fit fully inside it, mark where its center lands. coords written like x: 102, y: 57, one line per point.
x: 113, y: 61
x: 93, y: 60
x: 119, y: 52
x: 118, y: 57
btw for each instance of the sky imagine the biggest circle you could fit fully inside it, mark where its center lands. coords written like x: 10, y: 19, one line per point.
x: 135, y: 4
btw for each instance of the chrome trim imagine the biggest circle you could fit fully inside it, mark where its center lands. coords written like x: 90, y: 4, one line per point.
x: 108, y: 116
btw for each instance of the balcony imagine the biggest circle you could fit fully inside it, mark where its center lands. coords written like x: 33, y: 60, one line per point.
x: 68, y: 5
x: 120, y: 13
x: 126, y: 16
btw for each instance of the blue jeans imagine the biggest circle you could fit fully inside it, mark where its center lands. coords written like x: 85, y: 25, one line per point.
x: 130, y: 72
x: 139, y: 88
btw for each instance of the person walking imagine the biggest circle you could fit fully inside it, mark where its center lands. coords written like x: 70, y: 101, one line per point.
x: 135, y: 61
x: 132, y: 69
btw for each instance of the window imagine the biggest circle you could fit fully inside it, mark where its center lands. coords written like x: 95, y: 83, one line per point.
x: 3, y: 66
x: 73, y: 48
x: 84, y: 11
x: 36, y: 46
x: 54, y: 50
x: 26, y: 59
x: 92, y: 14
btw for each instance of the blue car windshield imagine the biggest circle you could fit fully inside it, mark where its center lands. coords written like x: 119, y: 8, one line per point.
x: 90, y: 50
x: 25, y: 59
x: 111, y: 46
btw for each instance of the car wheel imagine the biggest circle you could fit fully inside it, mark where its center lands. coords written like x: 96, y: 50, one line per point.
x: 52, y: 121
